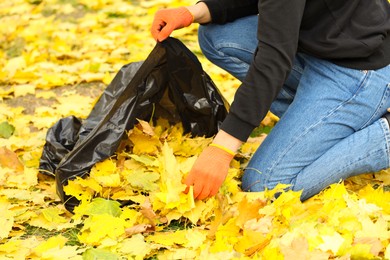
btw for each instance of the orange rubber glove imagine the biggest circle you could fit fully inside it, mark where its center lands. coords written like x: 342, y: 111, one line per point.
x: 167, y: 20
x: 209, y: 171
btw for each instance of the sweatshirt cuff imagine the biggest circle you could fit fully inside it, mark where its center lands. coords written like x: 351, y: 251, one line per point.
x: 236, y: 127
x: 216, y: 13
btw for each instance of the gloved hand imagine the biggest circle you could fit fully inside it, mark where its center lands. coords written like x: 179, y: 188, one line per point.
x: 209, y: 171
x: 167, y: 20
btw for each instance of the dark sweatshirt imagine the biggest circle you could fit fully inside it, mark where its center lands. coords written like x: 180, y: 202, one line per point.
x: 350, y: 33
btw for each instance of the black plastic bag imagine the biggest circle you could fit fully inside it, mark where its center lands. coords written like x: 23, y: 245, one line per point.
x: 169, y: 83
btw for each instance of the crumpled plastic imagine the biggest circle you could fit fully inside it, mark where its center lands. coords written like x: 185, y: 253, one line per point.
x: 170, y: 83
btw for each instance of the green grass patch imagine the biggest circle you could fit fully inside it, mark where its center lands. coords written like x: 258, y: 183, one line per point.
x: 70, y: 233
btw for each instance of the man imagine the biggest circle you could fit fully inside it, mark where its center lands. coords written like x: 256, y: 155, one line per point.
x: 322, y: 66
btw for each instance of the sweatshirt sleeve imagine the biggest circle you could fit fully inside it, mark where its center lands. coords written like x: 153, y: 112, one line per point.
x: 223, y: 11
x: 278, y: 33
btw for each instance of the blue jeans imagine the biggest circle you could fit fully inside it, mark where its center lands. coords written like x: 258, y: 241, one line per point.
x: 331, y: 124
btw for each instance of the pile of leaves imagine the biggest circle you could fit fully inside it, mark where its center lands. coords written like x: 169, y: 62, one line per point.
x: 57, y: 56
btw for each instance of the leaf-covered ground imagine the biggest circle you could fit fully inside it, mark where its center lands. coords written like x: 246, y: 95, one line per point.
x: 56, y: 57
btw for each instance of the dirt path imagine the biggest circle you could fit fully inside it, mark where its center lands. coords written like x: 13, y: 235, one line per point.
x: 30, y: 101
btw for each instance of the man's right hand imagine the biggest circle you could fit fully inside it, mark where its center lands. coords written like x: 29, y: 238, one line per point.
x: 167, y: 20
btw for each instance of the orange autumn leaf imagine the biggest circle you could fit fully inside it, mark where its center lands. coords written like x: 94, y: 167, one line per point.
x: 249, y: 210
x: 9, y: 159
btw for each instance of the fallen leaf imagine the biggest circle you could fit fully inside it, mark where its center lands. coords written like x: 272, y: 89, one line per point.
x: 9, y: 159
x: 140, y: 228
x: 6, y: 130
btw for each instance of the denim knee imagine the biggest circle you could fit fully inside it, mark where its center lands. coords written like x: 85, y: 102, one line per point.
x: 205, y: 43
x: 255, y: 180
x: 220, y: 44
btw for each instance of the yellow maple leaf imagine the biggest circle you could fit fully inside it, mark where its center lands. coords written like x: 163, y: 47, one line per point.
x: 360, y: 251
x: 383, y: 176
x: 187, y: 146
x: 271, y: 252
x: 25, y: 77
x: 5, y: 92
x: 263, y: 225
x: 288, y: 204
x: 279, y: 188
x: 26, y: 180
x: 143, y: 179
x: 73, y: 188
x: 44, y: 117
x: 333, y: 198
x: 65, y: 252
x: 178, y: 253
x: 53, y: 242
x: 377, y: 196
x: 6, y: 218
x: 13, y: 65
x: 107, y: 78
x: 171, y: 186
x: 135, y: 247
x: 23, y: 90
x: 195, y: 238
x: 91, y: 77
x: 335, y: 192
x: 310, y: 230
x: 298, y: 249
x: 131, y: 216
x: 89, y: 183
x: 106, y: 174
x: 25, y: 249
x: 46, y: 94
x: 126, y: 193
x: 74, y: 104
x: 143, y: 159
x: 379, y: 227
x: 249, y: 147
x: 51, y: 219
x: 10, y: 246
x: 332, y: 243
x: 54, y: 215
x: 51, y: 80
x: 178, y: 237
x: 232, y: 185
x: 205, y: 253
x: 226, y: 237
x: 248, y: 210
x: 144, y: 143
x: 345, y: 221
x: 93, y: 232
x: 198, y: 209
x: 250, y: 242
x: 387, y: 252
x: 37, y: 197
x: 375, y: 243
